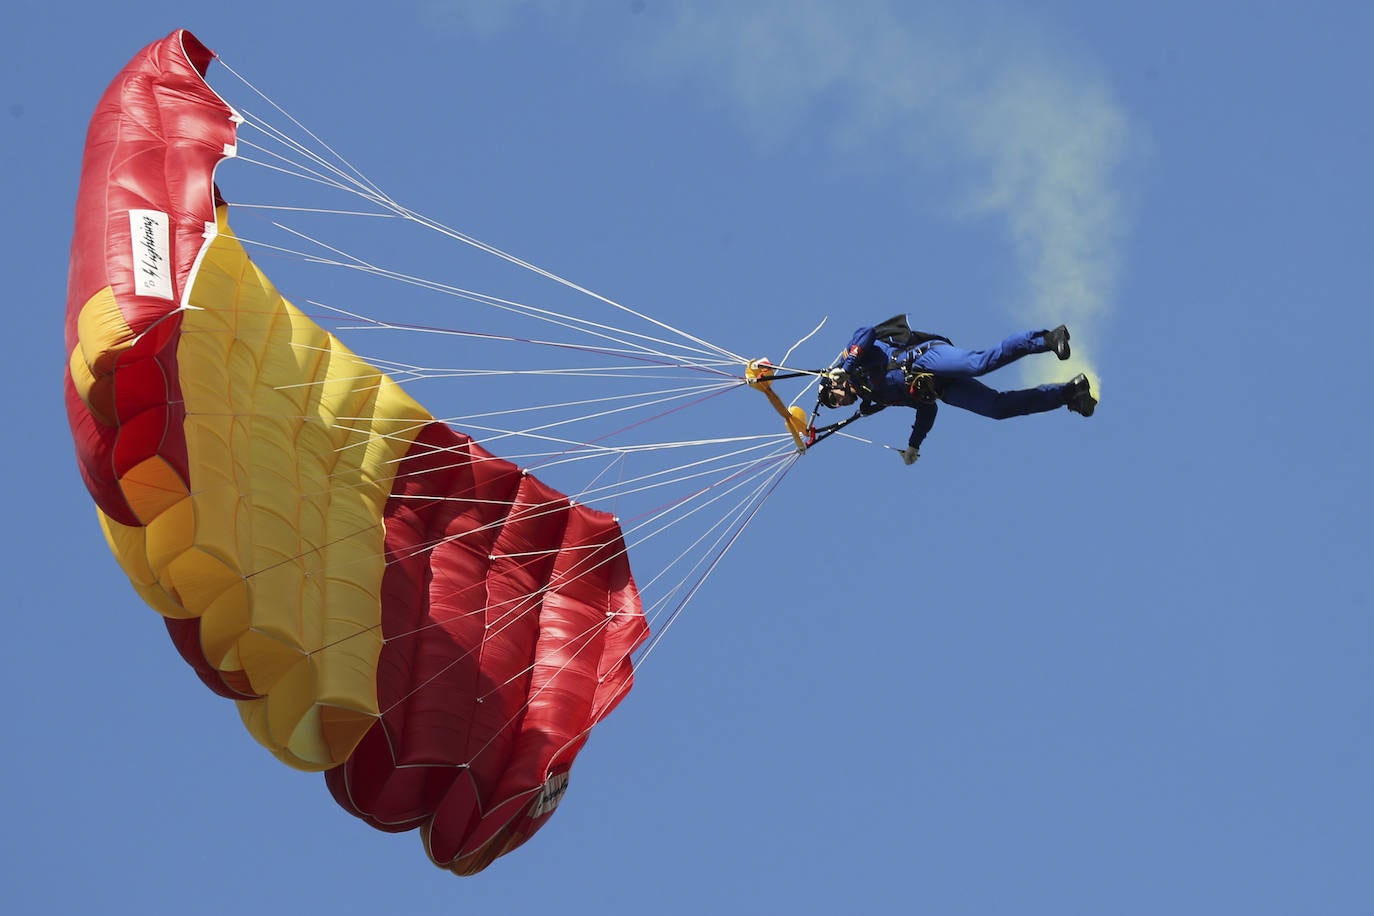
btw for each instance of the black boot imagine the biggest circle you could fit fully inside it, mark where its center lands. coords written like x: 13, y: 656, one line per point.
x: 1058, y: 341
x: 1079, y: 397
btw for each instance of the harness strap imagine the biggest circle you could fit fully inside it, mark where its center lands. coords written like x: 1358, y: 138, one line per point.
x: 920, y: 384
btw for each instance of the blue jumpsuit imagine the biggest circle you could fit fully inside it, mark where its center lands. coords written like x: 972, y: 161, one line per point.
x: 868, y: 358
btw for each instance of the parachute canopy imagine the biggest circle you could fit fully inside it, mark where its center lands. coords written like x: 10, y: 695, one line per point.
x: 386, y: 601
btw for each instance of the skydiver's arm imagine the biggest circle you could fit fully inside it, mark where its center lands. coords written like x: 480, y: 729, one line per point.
x: 862, y: 340
x: 925, y: 419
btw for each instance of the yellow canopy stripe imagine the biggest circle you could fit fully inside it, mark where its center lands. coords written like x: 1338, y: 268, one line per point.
x: 278, y: 547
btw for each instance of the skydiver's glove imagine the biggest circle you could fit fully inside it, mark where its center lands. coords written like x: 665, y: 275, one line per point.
x: 836, y: 378
x: 910, y: 455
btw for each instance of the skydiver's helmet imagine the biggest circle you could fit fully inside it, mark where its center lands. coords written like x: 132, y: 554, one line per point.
x: 836, y: 390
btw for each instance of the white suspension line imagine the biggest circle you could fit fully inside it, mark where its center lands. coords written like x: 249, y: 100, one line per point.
x: 490, y: 249
x: 346, y: 177
x: 372, y: 365
x: 531, y: 513
x: 678, y: 472
x: 739, y: 474
x: 622, y: 491
x: 645, y: 401
x: 619, y: 491
x: 684, y: 391
x: 714, y: 562
x: 419, y: 219
x: 596, y: 450
x: 592, y: 329
x: 724, y: 521
x: 533, y: 430
x: 635, y: 350
x: 526, y: 603
x: 371, y: 191
x: 303, y: 162
x: 262, y: 95
x: 682, y: 509
x: 277, y: 162
x: 657, y: 479
x: 326, y: 211
x: 296, y: 170
x: 593, y: 451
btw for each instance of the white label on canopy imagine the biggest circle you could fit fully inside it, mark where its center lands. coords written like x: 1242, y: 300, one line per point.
x: 152, y: 253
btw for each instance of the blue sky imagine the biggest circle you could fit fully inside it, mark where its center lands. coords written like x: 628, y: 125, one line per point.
x: 1058, y: 666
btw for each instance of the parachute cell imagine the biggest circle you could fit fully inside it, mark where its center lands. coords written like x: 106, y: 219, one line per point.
x: 385, y: 600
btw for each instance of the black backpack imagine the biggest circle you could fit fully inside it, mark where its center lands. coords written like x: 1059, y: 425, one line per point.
x: 898, y: 334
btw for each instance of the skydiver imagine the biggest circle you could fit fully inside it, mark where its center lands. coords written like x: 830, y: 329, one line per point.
x: 890, y: 364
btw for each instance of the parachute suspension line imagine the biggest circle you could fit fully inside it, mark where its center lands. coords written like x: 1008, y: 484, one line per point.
x: 663, y: 523
x: 309, y: 165
x: 437, y: 227
x: 295, y: 170
x: 648, y: 398
x: 642, y: 371
x: 534, y: 432
x: 726, y: 530
x: 683, y: 396
x: 708, y: 563
x: 596, y: 330
x: 641, y: 400
x: 721, y: 547
x: 662, y: 519
x: 731, y: 526
x: 370, y: 192
x: 570, y: 451
x: 623, y: 489
x: 589, y: 493
x: 325, y: 211
x: 723, y: 480
x: 536, y: 512
x: 358, y: 175
x: 613, y: 461
x: 682, y: 509
x: 653, y: 346
x: 402, y: 371
x: 573, y: 450
x: 347, y: 177
x: 699, y: 399
x: 677, y: 474
x: 723, y: 473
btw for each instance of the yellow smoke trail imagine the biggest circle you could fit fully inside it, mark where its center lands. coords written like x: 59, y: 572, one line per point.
x: 1051, y: 145
x: 1039, y: 130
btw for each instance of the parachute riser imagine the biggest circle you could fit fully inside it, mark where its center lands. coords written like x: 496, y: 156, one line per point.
x: 760, y: 374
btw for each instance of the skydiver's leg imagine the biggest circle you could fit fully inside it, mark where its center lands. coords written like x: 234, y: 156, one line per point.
x: 956, y: 362
x: 972, y: 395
